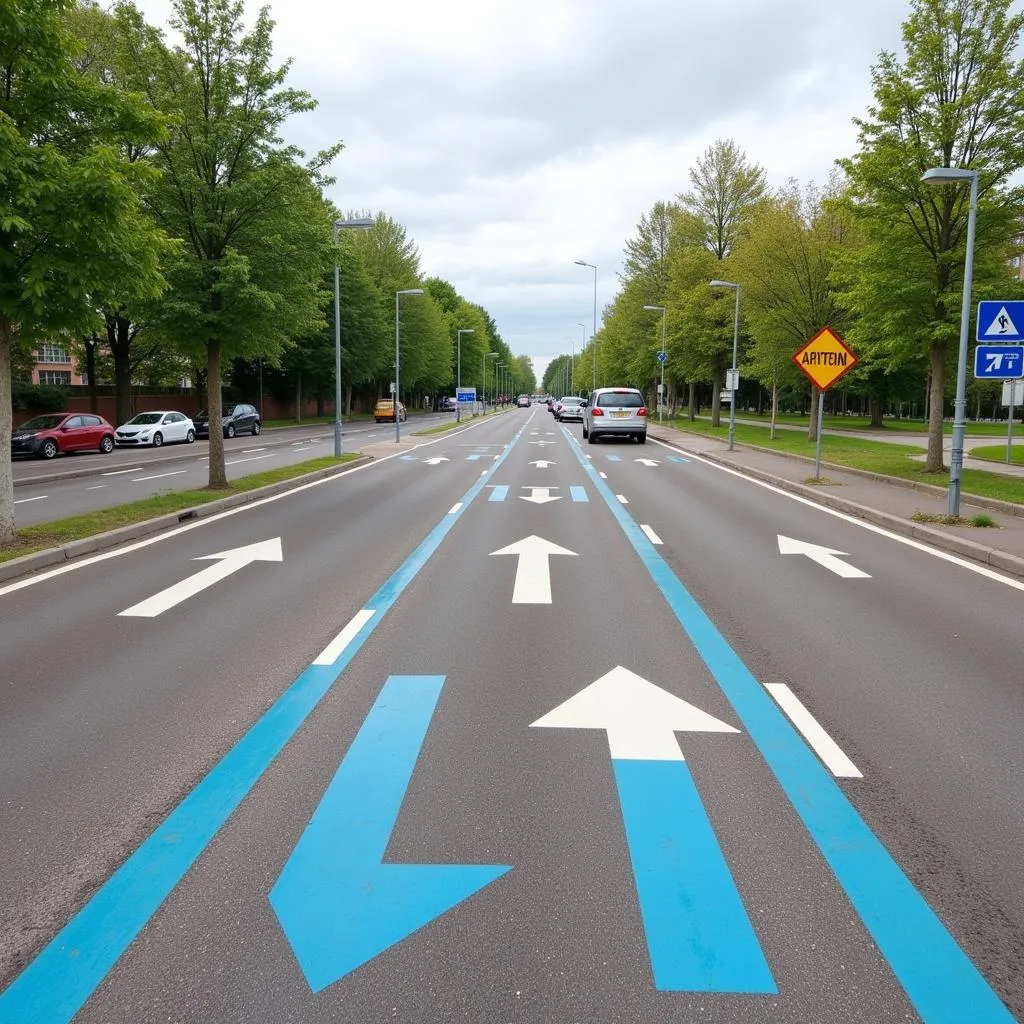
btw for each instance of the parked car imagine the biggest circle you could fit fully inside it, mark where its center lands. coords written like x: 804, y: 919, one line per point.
x: 524, y: 402
x: 47, y: 435
x: 569, y: 408
x: 619, y: 412
x: 156, y: 428
x: 237, y: 418
x: 448, y: 405
x: 384, y: 411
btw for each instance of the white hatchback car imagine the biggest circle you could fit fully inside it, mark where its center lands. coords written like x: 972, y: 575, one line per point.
x: 155, y: 428
x: 615, y: 412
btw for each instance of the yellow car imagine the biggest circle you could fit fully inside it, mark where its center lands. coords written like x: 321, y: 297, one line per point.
x: 384, y: 411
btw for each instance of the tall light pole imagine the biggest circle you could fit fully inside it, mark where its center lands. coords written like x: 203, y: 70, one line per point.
x: 956, y: 176
x: 458, y: 372
x: 735, y: 346
x: 394, y: 400
x: 483, y: 377
x: 354, y: 223
x: 584, y: 263
x: 661, y: 356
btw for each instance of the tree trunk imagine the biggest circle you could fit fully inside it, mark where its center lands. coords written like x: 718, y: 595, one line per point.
x: 119, y: 340
x: 346, y: 404
x: 936, y: 404
x: 7, y: 532
x: 298, y: 396
x: 775, y: 408
x: 875, y: 411
x: 691, y: 401
x: 90, y: 371
x: 218, y: 471
x: 716, y: 399
x: 812, y: 423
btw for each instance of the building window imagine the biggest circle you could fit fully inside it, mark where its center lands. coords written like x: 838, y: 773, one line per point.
x: 83, y: 378
x: 53, y: 354
x: 55, y: 377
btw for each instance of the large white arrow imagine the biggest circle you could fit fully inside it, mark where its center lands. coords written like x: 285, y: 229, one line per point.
x: 646, y: 462
x: 539, y: 495
x: 533, y: 573
x: 228, y: 562
x: 641, y: 719
x: 823, y: 556
x: 542, y: 463
x: 436, y: 461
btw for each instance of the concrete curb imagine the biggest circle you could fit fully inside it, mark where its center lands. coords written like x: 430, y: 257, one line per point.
x: 50, y: 557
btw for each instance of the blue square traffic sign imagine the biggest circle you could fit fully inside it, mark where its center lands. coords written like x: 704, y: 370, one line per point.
x: 999, y: 362
x: 662, y: 357
x: 1000, y: 320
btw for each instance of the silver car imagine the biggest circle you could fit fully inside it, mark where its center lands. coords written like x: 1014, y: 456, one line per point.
x: 569, y: 408
x: 619, y: 412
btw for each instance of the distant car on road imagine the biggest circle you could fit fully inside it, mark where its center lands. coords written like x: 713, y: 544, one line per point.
x: 237, y: 418
x: 52, y: 433
x: 569, y: 408
x: 155, y: 428
x: 619, y: 412
x: 448, y: 405
x: 384, y: 411
x: 524, y: 402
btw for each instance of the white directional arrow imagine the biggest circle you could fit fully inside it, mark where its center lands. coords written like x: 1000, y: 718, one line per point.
x: 228, y: 562
x: 646, y: 462
x: 436, y: 461
x: 543, y: 463
x: 540, y: 495
x: 533, y: 573
x: 823, y: 556
x: 542, y: 442
x: 641, y: 719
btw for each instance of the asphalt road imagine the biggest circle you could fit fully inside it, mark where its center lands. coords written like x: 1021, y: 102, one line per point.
x: 221, y: 813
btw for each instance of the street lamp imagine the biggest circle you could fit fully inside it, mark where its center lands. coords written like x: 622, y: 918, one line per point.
x: 661, y: 397
x: 458, y: 373
x: 955, y: 176
x: 735, y: 344
x: 483, y: 376
x: 394, y: 400
x: 583, y: 263
x: 354, y: 223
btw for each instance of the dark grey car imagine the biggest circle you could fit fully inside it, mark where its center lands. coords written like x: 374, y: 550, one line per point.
x: 238, y: 418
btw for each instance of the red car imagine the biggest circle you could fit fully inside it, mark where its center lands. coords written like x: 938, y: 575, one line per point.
x: 45, y: 436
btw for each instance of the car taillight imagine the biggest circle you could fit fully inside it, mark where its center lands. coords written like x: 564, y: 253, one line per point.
x: 642, y: 411
x: 597, y: 412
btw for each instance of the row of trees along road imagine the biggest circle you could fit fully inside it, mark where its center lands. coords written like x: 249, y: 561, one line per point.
x: 154, y: 220
x: 874, y: 252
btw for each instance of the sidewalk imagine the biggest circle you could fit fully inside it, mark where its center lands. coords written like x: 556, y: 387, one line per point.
x: 884, y: 501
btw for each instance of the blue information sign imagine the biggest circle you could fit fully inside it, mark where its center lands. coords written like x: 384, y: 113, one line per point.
x: 465, y: 394
x: 662, y: 357
x: 1000, y: 320
x: 999, y: 362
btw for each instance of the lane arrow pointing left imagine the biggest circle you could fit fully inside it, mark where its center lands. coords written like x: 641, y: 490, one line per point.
x: 533, y: 571
x: 228, y: 563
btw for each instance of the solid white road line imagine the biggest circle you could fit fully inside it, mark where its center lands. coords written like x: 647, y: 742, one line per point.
x: 823, y: 745
x: 157, y: 476
x: 651, y: 535
x: 330, y: 654
x: 38, y: 497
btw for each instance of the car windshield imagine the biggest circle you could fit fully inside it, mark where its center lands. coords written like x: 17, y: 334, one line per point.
x: 145, y: 417
x: 572, y: 401
x: 622, y: 399
x: 42, y: 423
x: 229, y: 410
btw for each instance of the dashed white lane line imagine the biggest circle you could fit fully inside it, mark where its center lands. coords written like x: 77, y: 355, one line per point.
x: 455, y: 508
x: 120, y: 472
x: 255, y: 458
x: 96, y: 487
x: 249, y: 451
x: 651, y: 535
x: 823, y: 745
x: 38, y: 497
x: 622, y: 498
x: 157, y: 476
x: 330, y: 654
x: 602, y: 475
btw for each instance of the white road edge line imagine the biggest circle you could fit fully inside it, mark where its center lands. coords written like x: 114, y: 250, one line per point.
x: 157, y: 476
x: 330, y: 654
x: 823, y: 745
x: 651, y: 535
x: 909, y: 542
x: 38, y: 497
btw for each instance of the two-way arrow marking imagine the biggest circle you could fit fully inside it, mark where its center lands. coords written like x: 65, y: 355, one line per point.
x: 533, y: 573
x: 699, y: 937
x: 338, y: 904
x: 436, y: 461
x: 646, y: 462
x: 823, y: 556
x: 539, y: 495
x: 542, y: 463
x: 228, y: 562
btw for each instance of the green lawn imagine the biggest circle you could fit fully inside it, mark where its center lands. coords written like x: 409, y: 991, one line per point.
x: 62, y: 531
x: 997, y: 453
x: 888, y: 424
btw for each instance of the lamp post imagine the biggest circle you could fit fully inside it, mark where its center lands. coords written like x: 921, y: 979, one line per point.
x: 354, y: 223
x: 956, y: 176
x: 483, y: 377
x: 572, y: 369
x: 458, y: 372
x: 497, y: 370
x: 735, y: 345
x: 394, y: 400
x: 661, y: 397
x: 583, y: 263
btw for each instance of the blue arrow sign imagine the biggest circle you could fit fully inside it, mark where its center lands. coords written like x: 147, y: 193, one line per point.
x: 337, y: 903
x: 1000, y: 320
x: 999, y: 362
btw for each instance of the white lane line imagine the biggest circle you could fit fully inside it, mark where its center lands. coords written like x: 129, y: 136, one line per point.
x: 157, y: 476
x: 455, y: 508
x: 330, y: 654
x: 622, y: 498
x: 119, y: 472
x: 255, y: 458
x: 602, y: 475
x: 38, y: 497
x: 485, y: 472
x: 651, y: 535
x: 823, y: 745
x: 96, y: 487
x: 249, y: 451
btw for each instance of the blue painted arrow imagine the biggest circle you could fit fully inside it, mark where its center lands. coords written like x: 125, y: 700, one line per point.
x: 337, y: 903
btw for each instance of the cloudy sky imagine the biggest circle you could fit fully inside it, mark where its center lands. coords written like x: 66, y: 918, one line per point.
x: 512, y: 137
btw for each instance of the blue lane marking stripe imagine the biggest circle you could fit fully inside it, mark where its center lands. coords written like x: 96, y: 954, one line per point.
x: 613, y: 458
x: 677, y: 458
x: 937, y: 976
x: 698, y: 933
x: 56, y: 984
x: 498, y: 493
x: 579, y: 493
x: 473, y: 457
x: 409, y: 458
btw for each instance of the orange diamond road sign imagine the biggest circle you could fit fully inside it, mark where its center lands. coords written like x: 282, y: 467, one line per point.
x: 825, y: 358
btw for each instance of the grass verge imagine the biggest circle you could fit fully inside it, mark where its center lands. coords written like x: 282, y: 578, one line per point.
x: 889, y: 425
x: 53, y: 534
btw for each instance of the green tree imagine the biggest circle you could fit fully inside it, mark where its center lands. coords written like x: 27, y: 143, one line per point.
x: 955, y: 101
x: 69, y: 224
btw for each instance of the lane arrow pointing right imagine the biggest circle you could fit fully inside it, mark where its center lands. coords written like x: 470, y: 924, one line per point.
x: 823, y: 556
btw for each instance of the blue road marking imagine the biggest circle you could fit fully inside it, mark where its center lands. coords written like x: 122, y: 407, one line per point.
x: 337, y: 903
x: 409, y: 458
x: 498, y: 493
x: 698, y: 934
x: 613, y: 458
x: 677, y: 458
x: 65, y: 973
x: 473, y: 456
x: 937, y: 976
x: 578, y: 493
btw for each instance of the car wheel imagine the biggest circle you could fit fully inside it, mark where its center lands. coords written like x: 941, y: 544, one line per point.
x: 190, y: 437
x: 585, y: 435
x: 106, y: 444
x: 158, y: 440
x: 642, y: 438
x: 592, y: 437
x: 256, y: 428
x: 230, y: 432
x: 48, y: 449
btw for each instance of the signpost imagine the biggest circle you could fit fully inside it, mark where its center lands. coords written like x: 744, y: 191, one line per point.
x: 1002, y: 321
x: 464, y: 397
x: 823, y: 360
